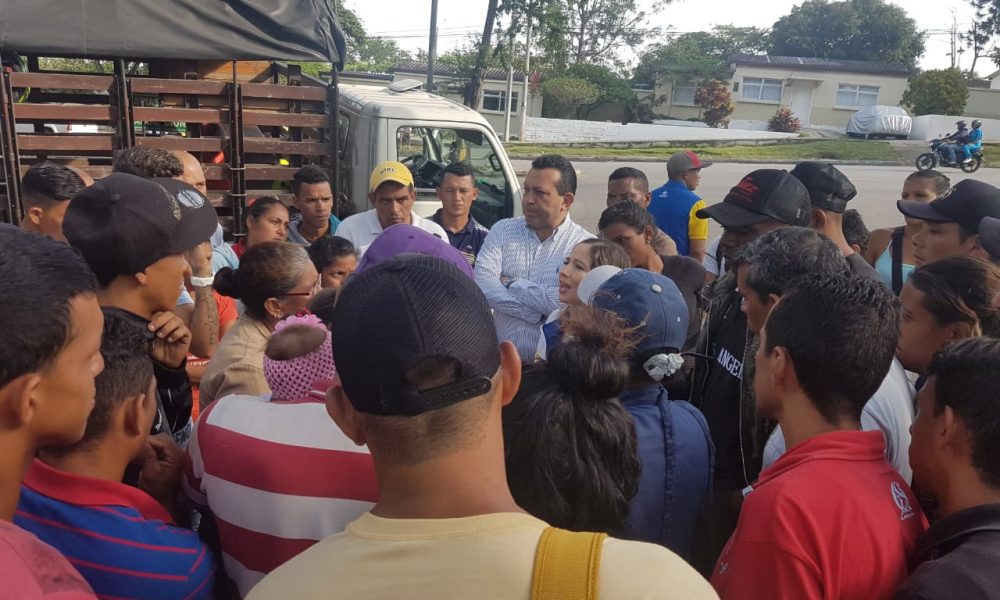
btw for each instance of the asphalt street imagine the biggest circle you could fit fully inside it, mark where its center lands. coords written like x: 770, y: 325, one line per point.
x: 878, y: 187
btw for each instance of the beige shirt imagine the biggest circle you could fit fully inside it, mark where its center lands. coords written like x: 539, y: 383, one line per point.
x: 484, y: 557
x: 663, y: 244
x: 237, y: 367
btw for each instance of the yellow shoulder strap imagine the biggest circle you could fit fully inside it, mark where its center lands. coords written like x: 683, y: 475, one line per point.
x: 567, y: 565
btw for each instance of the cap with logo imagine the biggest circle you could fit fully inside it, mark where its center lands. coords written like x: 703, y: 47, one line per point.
x: 762, y: 195
x: 685, y: 161
x: 390, y: 170
x: 967, y: 203
x: 829, y: 189
x: 650, y: 302
x: 989, y: 236
x: 393, y: 317
x: 407, y: 239
x: 123, y: 223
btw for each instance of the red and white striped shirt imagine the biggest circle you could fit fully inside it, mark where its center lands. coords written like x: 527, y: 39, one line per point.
x: 278, y: 476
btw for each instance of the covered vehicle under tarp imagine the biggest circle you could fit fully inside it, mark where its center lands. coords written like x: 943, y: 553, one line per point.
x: 880, y: 121
x: 300, y: 30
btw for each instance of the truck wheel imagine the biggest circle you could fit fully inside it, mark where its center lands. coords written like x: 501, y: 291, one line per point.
x: 926, y: 161
x: 972, y: 167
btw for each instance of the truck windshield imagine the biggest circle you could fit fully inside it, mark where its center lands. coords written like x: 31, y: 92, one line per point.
x: 428, y: 150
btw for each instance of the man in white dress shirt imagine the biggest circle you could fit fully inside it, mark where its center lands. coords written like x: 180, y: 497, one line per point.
x: 392, y: 194
x: 518, y: 265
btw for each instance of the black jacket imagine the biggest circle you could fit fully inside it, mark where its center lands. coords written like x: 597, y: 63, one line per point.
x: 722, y: 386
x: 960, y: 557
x: 173, y: 387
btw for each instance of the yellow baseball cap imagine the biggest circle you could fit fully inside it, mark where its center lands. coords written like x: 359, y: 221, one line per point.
x: 390, y: 170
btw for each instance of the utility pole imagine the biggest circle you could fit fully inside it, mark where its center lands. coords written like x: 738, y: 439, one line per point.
x: 527, y: 71
x: 432, y: 47
x: 510, y: 90
x: 954, y: 39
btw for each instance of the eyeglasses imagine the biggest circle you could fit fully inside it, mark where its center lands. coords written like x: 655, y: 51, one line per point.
x: 316, y: 288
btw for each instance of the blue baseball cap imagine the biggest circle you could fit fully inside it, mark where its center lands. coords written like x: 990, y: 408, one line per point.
x: 650, y: 302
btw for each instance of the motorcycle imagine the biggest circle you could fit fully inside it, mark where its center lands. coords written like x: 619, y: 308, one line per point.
x: 938, y: 156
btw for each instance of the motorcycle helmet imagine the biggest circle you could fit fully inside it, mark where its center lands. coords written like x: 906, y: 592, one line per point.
x: 960, y: 123
x: 976, y: 123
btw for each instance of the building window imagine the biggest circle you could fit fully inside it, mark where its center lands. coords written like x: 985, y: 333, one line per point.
x: 684, y: 94
x: 493, y: 101
x: 856, y: 96
x: 761, y: 89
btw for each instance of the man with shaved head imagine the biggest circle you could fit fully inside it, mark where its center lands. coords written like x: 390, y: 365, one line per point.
x: 193, y: 174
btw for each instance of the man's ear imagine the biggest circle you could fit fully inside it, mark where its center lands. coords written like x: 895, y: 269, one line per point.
x: 35, y: 214
x: 133, y: 412
x: 17, y: 402
x: 961, y: 330
x: 568, y: 199
x: 783, y: 374
x: 818, y: 219
x: 344, y: 414
x: 510, y: 372
x: 647, y: 198
x: 950, y: 433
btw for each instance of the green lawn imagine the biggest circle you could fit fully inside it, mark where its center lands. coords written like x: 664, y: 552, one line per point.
x: 792, y: 150
x: 991, y: 155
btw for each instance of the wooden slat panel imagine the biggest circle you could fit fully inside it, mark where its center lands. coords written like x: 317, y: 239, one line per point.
x: 285, y: 92
x: 142, y: 85
x: 272, y: 146
x: 75, y: 142
x: 180, y: 115
x: 96, y: 172
x: 61, y: 81
x: 62, y: 113
x: 259, y: 117
x: 270, y: 173
x: 205, y: 144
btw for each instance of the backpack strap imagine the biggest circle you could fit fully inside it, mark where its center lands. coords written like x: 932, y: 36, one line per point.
x: 896, y: 254
x: 567, y: 565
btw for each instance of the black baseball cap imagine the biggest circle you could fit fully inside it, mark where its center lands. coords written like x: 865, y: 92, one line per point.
x: 989, y: 236
x: 828, y: 187
x: 123, y: 223
x: 395, y: 315
x: 967, y: 203
x: 763, y: 194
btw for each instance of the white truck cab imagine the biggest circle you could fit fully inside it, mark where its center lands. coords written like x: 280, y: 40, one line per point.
x: 426, y: 133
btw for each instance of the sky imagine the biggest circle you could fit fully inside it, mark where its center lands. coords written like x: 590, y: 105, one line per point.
x: 460, y: 19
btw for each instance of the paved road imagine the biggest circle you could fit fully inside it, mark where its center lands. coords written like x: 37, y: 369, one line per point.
x: 878, y: 187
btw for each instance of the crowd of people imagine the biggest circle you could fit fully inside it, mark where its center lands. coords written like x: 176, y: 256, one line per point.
x: 393, y: 406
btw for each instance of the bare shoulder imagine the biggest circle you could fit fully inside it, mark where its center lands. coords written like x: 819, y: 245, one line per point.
x: 634, y: 570
x: 878, y: 241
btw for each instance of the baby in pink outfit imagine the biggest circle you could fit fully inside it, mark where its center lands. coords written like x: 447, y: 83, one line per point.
x: 298, y: 358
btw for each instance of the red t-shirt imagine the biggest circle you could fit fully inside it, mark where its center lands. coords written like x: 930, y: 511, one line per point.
x: 30, y: 569
x: 830, y: 519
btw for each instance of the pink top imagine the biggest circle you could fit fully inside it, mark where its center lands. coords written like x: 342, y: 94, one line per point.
x: 30, y: 569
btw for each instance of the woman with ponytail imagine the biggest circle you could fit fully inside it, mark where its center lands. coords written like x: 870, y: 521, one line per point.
x: 675, y: 448
x: 570, y: 445
x: 275, y: 280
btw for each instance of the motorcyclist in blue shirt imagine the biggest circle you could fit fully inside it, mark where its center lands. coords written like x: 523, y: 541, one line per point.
x: 973, y: 141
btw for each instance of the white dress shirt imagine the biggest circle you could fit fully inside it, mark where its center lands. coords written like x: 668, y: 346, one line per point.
x: 513, y: 251
x: 362, y: 229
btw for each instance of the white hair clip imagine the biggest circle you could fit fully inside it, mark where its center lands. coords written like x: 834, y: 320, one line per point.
x: 663, y: 365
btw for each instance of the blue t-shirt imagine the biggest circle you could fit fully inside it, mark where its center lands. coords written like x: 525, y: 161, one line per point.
x: 469, y: 241
x: 976, y: 138
x: 671, y: 209
x: 118, y: 537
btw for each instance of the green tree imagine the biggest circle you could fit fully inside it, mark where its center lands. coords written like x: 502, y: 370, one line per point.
x: 870, y: 30
x: 982, y: 33
x: 598, y: 29
x: 565, y: 95
x: 612, y: 88
x: 939, y: 92
x: 699, y: 56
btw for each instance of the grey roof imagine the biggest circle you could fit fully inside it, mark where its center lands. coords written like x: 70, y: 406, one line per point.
x: 445, y: 70
x: 821, y: 64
